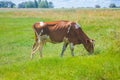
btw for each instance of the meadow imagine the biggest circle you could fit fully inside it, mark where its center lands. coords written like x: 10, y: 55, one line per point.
x: 17, y: 38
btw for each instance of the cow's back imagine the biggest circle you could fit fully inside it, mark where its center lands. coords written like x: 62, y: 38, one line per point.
x: 58, y: 31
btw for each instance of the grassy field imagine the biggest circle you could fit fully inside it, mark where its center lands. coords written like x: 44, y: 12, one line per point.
x: 17, y: 37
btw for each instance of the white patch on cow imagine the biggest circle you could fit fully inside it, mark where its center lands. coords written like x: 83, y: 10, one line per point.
x: 39, y: 36
x: 71, y: 45
x: 41, y: 31
x: 68, y: 29
x: 41, y: 23
x: 45, y: 38
x: 65, y: 39
x: 77, y: 26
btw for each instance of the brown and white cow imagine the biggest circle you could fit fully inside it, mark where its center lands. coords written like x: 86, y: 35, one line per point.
x: 60, y: 31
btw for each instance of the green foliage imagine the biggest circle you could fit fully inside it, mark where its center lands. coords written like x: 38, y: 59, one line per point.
x: 50, y: 4
x: 112, y: 5
x: 43, y: 4
x: 28, y: 4
x: 36, y: 4
x: 7, y: 4
x: 97, y: 6
x: 39, y: 1
x: 17, y: 37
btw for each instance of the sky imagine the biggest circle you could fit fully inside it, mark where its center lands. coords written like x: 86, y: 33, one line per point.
x: 76, y: 3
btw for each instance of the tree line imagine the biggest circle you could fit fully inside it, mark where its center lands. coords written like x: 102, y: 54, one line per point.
x: 38, y: 4
x: 7, y: 4
x: 112, y: 5
x: 27, y: 4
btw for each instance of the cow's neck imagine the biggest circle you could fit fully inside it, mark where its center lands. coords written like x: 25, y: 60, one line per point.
x: 83, y: 37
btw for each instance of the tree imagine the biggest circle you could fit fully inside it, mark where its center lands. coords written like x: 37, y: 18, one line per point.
x: 7, y: 4
x: 97, y: 6
x: 46, y: 4
x: 112, y: 5
x: 30, y: 4
x: 27, y: 4
x: 21, y: 5
x: 10, y: 4
x: 39, y: 1
x: 50, y: 4
x: 36, y: 4
x: 43, y: 4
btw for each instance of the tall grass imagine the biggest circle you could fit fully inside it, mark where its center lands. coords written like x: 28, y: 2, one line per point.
x: 17, y: 37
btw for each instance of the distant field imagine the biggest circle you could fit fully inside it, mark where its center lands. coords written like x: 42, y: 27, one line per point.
x: 17, y: 38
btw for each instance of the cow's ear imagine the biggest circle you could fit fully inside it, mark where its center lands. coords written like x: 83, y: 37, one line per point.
x: 90, y: 41
x: 93, y: 40
x: 87, y: 41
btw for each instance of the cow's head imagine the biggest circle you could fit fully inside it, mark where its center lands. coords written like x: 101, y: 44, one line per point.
x: 89, y: 45
x: 83, y: 38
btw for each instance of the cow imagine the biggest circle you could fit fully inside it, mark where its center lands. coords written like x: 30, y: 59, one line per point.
x: 67, y: 32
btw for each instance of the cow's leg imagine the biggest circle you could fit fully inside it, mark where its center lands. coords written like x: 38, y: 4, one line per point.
x: 40, y: 48
x: 63, y: 49
x: 72, y: 49
x: 34, y: 49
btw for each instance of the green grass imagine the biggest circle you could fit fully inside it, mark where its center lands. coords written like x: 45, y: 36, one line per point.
x: 17, y: 38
